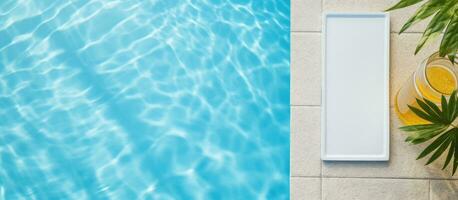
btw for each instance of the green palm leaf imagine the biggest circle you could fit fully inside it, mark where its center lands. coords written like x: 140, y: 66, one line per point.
x: 434, y: 145
x: 423, y: 135
x: 453, y: 106
x: 436, y: 25
x: 440, y: 150
x: 455, y: 163
x: 450, y: 153
x: 449, y: 42
x: 440, y: 129
x: 425, y: 11
x: 445, y: 18
x: 403, y: 4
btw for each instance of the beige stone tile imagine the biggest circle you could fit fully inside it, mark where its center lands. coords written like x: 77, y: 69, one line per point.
x: 375, y: 189
x: 305, y: 188
x: 403, y: 60
x: 305, y: 15
x: 444, y: 190
x: 305, y: 141
x: 402, y: 161
x: 398, y: 17
x: 305, y: 69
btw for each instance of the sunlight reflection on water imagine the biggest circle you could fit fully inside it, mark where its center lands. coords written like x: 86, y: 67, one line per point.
x: 176, y: 99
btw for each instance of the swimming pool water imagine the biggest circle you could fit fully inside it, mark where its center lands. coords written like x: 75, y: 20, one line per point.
x: 159, y: 99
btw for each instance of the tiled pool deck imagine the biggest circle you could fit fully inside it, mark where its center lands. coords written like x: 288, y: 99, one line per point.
x: 402, y: 177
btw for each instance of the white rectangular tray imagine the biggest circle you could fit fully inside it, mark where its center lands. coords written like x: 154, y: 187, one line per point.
x: 355, y: 86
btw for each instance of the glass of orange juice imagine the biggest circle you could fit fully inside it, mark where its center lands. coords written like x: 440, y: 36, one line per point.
x: 436, y: 76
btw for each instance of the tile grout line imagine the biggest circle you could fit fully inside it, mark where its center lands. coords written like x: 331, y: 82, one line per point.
x: 321, y: 189
x: 313, y: 31
x: 302, y: 176
x: 394, y: 178
x: 302, y: 31
x: 321, y: 177
x: 429, y: 192
x: 321, y: 162
x: 312, y: 106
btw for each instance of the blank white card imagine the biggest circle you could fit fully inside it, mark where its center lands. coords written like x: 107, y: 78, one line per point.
x: 355, y: 87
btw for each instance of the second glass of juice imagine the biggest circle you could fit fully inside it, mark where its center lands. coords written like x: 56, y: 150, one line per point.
x: 436, y: 76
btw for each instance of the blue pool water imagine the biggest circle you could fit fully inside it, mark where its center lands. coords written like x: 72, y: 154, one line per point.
x: 137, y: 99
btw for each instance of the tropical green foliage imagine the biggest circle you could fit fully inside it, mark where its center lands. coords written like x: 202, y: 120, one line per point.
x: 445, y: 19
x: 441, y: 130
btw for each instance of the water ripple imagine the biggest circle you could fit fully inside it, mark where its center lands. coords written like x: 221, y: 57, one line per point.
x: 176, y: 99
